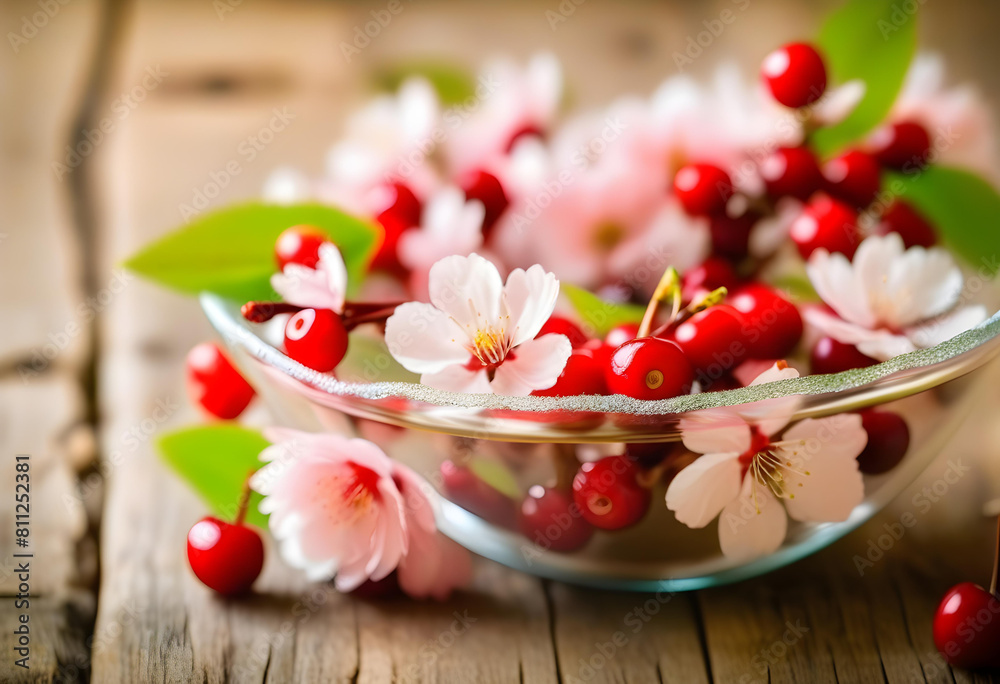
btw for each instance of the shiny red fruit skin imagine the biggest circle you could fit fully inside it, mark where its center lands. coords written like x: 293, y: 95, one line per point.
x: 712, y: 340
x: 791, y: 172
x: 551, y: 519
x: 827, y: 224
x: 904, y: 146
x: 888, y: 440
x: 225, y: 557
x: 463, y: 487
x: 703, y: 189
x: 709, y: 275
x: 731, y: 236
x: 854, y: 177
x: 583, y: 374
x: 831, y: 356
x: 773, y: 324
x: 609, y: 494
x: 901, y: 217
x: 214, y: 383
x: 564, y: 326
x: 795, y: 74
x: 967, y: 627
x: 621, y: 334
x: 487, y: 188
x: 649, y: 368
x: 316, y: 338
x: 299, y: 245
x: 402, y: 212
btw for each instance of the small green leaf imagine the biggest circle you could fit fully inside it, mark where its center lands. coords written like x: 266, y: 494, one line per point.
x: 599, y: 315
x: 962, y: 206
x: 215, y: 460
x: 231, y: 252
x: 453, y: 84
x: 496, y: 475
x: 871, y: 40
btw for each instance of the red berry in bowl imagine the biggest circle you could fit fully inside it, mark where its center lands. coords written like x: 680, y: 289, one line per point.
x: 826, y: 224
x: 831, y: 356
x: 649, y: 368
x: 463, y: 487
x: 214, y: 383
x: 967, y: 627
x: 401, y: 212
x: 795, y: 74
x: 888, y: 440
x: 731, y: 236
x: 703, y: 189
x: 710, y: 275
x: 901, y: 217
x: 773, y: 325
x: 905, y: 145
x: 486, y: 188
x: 299, y: 245
x: 609, y: 494
x: 712, y: 340
x: 583, y: 374
x: 791, y: 172
x: 564, y: 326
x: 854, y: 177
x: 621, y: 334
x: 552, y: 520
x: 316, y: 338
x: 225, y: 557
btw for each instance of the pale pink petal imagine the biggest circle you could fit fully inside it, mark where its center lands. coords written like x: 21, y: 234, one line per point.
x: 946, y: 327
x: 536, y: 364
x: 458, y: 378
x: 306, y: 287
x: 424, y: 339
x: 770, y: 416
x: 878, y: 344
x: 752, y: 525
x: 838, y: 103
x: 715, y: 431
x: 530, y: 297
x: 833, y: 278
x: 699, y: 492
x: 468, y: 289
x: 331, y: 263
x: 775, y: 374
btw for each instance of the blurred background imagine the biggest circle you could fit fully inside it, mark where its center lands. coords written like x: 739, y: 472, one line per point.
x: 121, y: 120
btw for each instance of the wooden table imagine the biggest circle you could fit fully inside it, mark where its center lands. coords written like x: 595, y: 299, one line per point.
x: 90, y: 366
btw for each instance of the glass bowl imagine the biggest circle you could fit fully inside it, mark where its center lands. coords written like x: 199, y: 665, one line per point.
x: 515, y: 443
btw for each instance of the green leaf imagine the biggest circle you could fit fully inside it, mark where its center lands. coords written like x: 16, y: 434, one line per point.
x: 215, y: 460
x: 231, y: 251
x: 871, y: 40
x: 599, y: 315
x: 962, y: 206
x: 453, y: 84
x: 496, y: 475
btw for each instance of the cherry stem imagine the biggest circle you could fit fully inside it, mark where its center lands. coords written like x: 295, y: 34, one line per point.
x: 996, y: 563
x: 667, y: 288
x: 261, y: 312
x: 354, y: 314
x: 711, y: 299
x: 241, y: 512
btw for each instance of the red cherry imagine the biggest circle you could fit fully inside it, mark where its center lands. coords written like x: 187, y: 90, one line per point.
x: 215, y: 384
x: 795, y: 74
x: 649, y: 368
x: 773, y: 324
x: 731, y: 236
x: 901, y: 217
x: 464, y: 488
x: 712, y: 340
x: 316, y: 338
x: 225, y: 557
x: 888, y: 440
x: 552, y: 520
x: 703, y: 189
x: 486, y: 188
x: 854, y: 177
x: 831, y: 356
x: 299, y: 245
x: 967, y: 627
x: 711, y: 274
x: 620, y: 334
x: 826, y: 224
x: 583, y: 374
x: 905, y: 146
x: 791, y: 172
x: 401, y: 212
x: 564, y: 326
x: 609, y: 494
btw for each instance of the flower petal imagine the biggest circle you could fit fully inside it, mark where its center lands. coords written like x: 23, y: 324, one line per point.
x: 530, y: 296
x: 469, y: 290
x: 752, y: 526
x: 878, y: 344
x: 944, y: 328
x: 306, y: 287
x: 715, y: 431
x: 458, y: 378
x: 836, y: 284
x: 699, y: 492
x: 536, y: 364
x: 424, y: 339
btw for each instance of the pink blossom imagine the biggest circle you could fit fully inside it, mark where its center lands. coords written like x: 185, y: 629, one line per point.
x: 323, y: 287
